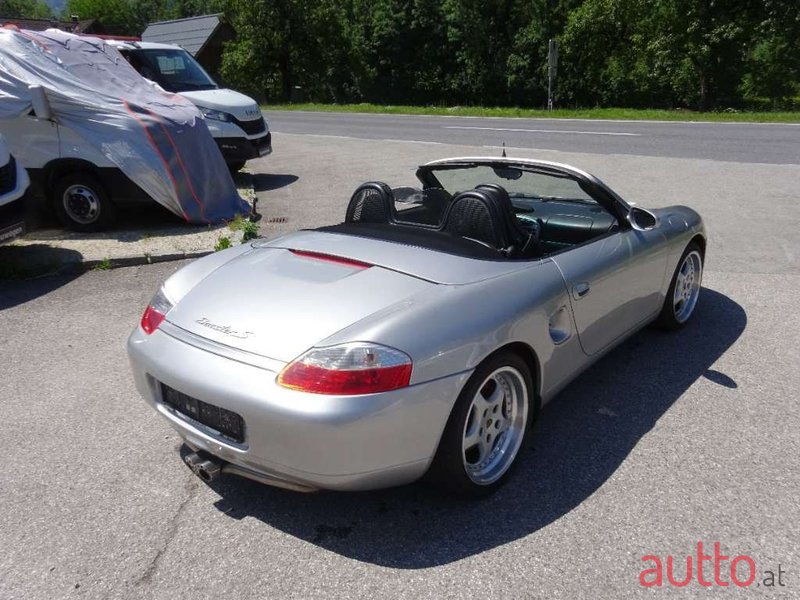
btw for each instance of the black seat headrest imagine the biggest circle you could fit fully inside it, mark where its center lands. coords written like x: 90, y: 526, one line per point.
x: 372, y: 202
x: 501, y: 193
x: 473, y: 214
x: 521, y: 243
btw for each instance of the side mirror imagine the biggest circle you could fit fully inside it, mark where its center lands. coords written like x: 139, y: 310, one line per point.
x: 41, y: 106
x: 641, y: 219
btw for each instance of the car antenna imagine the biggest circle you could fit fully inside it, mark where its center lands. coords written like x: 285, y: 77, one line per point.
x: 504, y: 150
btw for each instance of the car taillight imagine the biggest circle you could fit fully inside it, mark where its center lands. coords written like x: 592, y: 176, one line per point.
x: 348, y: 369
x: 155, y: 312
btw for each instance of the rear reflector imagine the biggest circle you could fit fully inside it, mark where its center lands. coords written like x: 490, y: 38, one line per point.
x: 355, y: 264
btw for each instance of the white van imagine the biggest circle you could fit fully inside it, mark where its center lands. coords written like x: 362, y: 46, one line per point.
x: 13, y: 183
x: 68, y: 175
x: 234, y: 120
x: 83, y: 187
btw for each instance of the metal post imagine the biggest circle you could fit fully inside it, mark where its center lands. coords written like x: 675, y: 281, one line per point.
x: 552, y: 65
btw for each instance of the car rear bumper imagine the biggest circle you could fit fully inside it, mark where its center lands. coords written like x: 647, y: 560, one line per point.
x: 316, y: 441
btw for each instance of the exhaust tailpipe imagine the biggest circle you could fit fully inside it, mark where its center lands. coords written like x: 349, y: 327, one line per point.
x: 205, y: 468
x: 208, y: 468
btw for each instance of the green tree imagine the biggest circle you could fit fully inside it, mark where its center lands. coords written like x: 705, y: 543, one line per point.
x: 665, y: 53
x: 773, y: 57
x: 538, y: 21
x: 700, y: 46
x: 399, y: 50
x: 605, y: 57
x: 658, y: 52
x: 481, y: 34
x: 25, y: 9
x: 283, y: 44
x: 117, y: 16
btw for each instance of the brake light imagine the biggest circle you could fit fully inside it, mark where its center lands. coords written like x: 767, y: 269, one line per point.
x: 348, y: 370
x: 356, y: 264
x: 156, y: 312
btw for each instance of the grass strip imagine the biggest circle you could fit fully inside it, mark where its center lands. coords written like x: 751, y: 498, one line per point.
x: 631, y: 114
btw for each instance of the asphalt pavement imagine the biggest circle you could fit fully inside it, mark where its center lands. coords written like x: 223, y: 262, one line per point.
x: 769, y: 143
x: 670, y: 440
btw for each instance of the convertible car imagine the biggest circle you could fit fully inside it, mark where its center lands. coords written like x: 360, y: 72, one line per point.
x: 421, y: 336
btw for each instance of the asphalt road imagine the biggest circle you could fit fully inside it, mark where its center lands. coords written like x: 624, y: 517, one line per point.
x: 740, y: 142
x: 670, y: 440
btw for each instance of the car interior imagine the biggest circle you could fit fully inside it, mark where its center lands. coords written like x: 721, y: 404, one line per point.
x: 485, y: 221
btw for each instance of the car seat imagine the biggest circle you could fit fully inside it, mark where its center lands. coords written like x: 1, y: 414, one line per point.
x: 372, y: 202
x: 474, y: 215
x: 522, y: 242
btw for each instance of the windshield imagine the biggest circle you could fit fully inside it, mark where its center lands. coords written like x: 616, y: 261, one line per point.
x: 518, y: 182
x: 174, y: 70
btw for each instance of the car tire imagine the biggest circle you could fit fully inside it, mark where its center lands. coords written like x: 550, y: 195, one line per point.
x: 486, y: 428
x: 684, y: 290
x: 81, y: 203
x: 235, y: 167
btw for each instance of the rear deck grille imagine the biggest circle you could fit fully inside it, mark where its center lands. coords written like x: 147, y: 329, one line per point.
x: 225, y: 422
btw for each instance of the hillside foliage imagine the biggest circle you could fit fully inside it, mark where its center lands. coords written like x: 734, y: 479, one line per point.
x: 701, y: 54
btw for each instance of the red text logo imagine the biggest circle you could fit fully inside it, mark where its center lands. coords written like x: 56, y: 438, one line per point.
x: 709, y: 569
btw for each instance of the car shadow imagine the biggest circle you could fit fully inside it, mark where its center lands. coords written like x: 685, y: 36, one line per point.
x: 580, y: 440
x: 28, y: 272
x: 264, y: 182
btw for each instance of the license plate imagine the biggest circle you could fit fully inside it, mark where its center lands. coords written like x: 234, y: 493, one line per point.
x: 12, y: 232
x: 264, y: 150
x: 225, y: 422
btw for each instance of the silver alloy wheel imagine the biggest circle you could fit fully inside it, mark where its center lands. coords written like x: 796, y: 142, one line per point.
x: 495, y: 425
x: 81, y: 204
x: 687, y: 286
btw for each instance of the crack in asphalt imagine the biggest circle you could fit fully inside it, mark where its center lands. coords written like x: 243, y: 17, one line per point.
x: 172, y: 530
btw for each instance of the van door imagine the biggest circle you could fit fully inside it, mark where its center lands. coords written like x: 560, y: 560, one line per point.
x: 34, y: 142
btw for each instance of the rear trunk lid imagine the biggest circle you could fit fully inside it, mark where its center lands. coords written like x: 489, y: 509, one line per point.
x: 431, y: 265
x: 276, y: 303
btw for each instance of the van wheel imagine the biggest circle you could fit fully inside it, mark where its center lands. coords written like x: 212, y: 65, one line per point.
x: 237, y: 166
x: 81, y: 203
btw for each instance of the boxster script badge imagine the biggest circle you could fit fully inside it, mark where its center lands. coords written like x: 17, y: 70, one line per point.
x: 242, y: 335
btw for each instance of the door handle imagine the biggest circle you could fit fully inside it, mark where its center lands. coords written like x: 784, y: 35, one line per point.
x: 580, y: 290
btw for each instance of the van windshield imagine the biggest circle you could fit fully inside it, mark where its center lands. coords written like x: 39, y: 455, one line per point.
x: 174, y: 70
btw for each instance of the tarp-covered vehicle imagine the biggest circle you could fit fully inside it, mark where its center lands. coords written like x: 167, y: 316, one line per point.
x: 94, y: 134
x: 234, y: 120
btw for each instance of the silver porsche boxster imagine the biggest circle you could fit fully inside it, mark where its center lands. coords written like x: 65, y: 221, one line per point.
x: 421, y: 336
